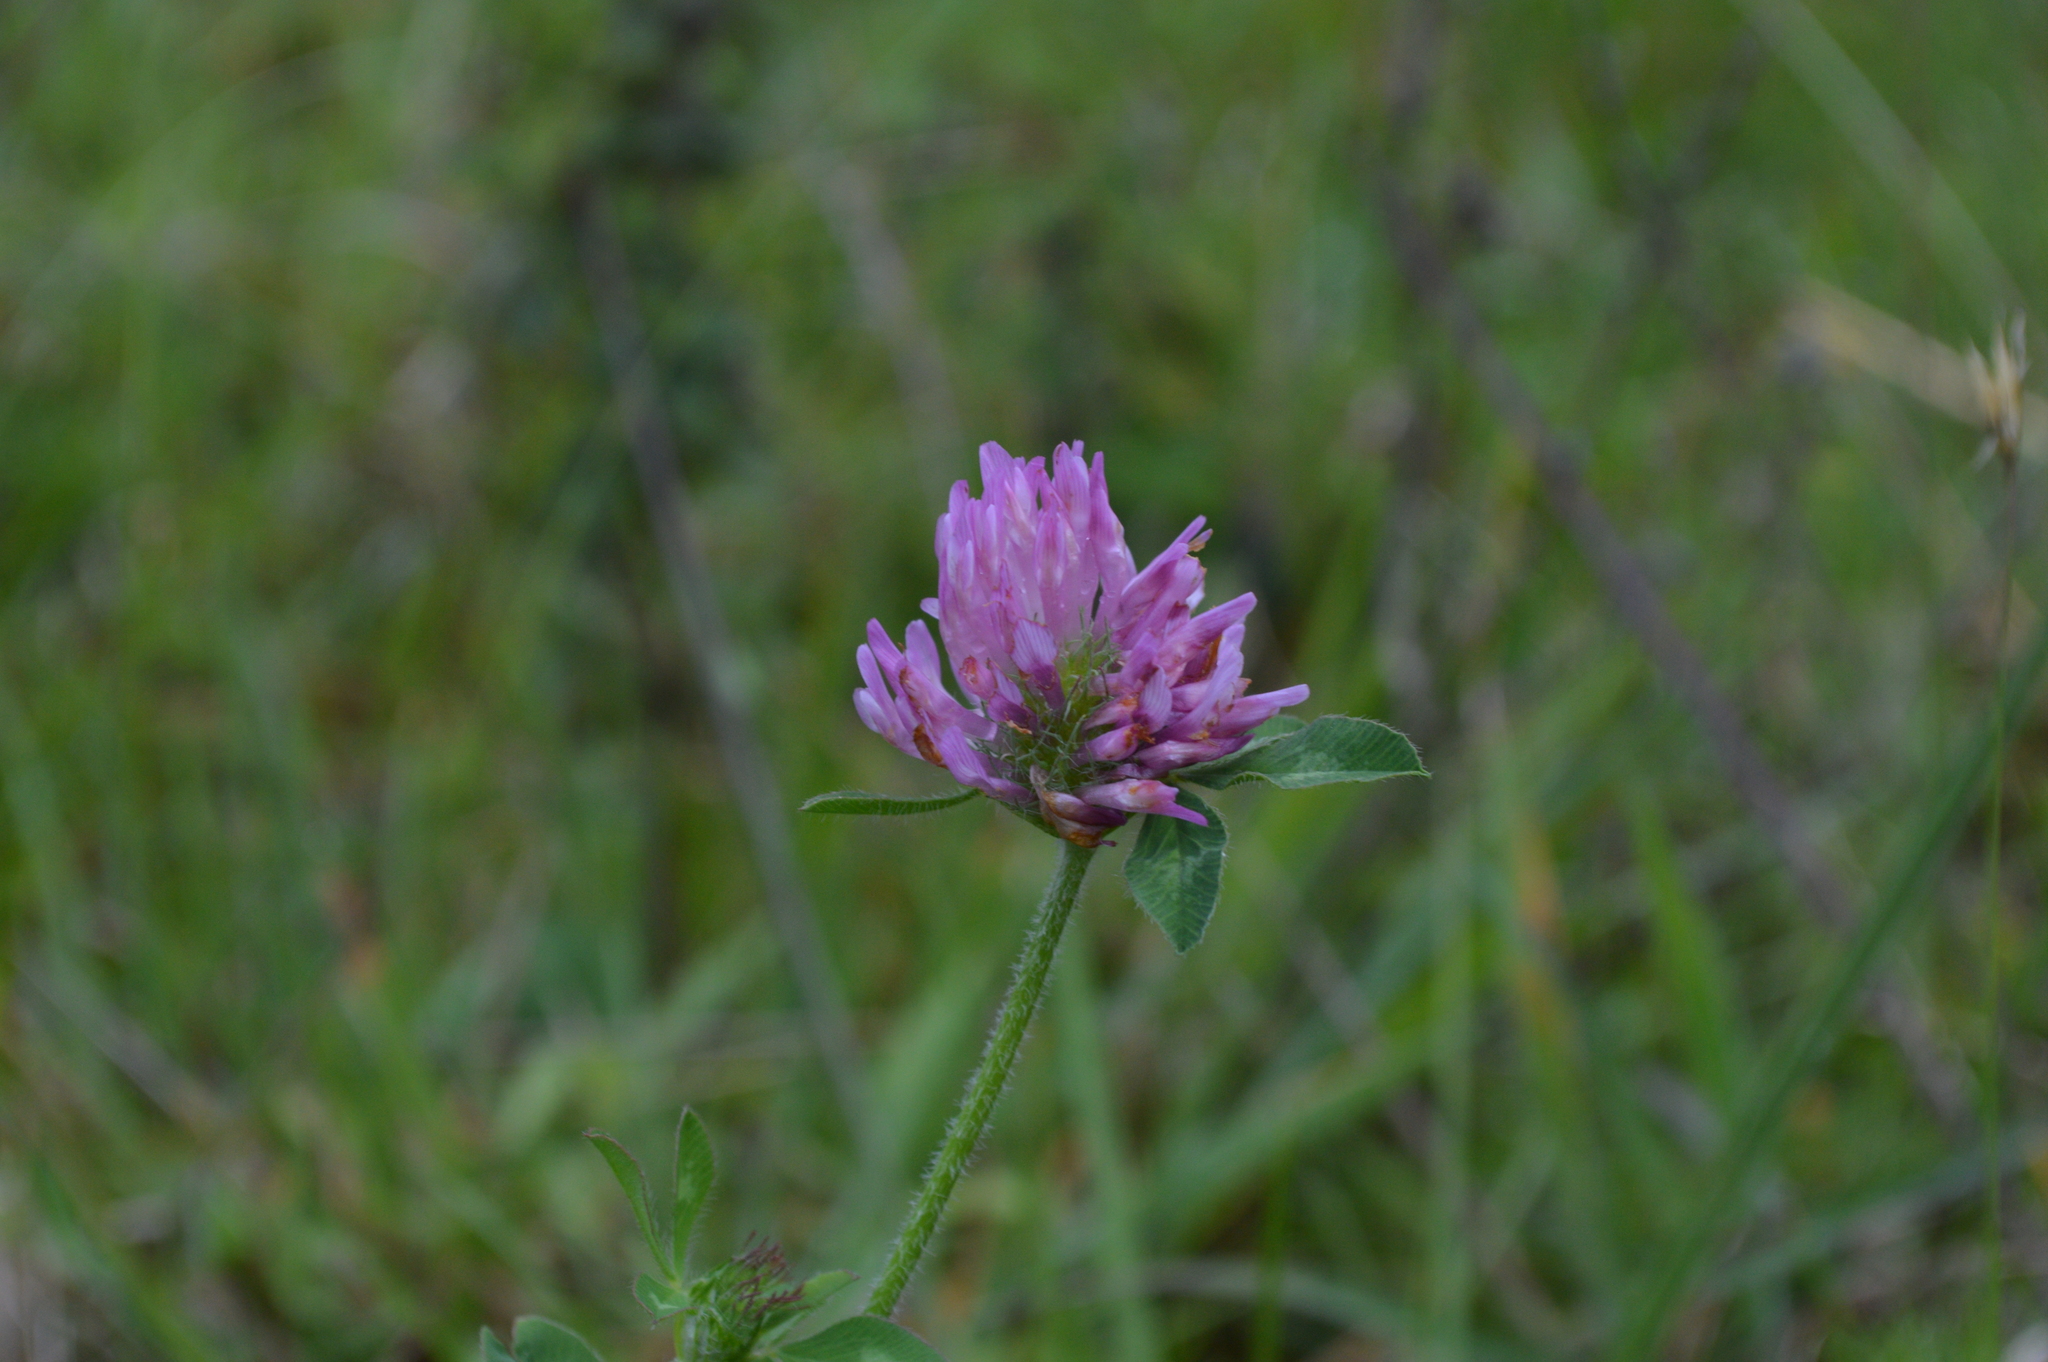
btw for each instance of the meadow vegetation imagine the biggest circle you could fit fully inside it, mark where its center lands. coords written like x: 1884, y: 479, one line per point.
x: 1563, y: 377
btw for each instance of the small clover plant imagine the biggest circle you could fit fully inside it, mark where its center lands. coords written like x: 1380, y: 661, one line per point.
x: 739, y: 1310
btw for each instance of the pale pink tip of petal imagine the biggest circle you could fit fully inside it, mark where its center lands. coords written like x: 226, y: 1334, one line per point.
x: 870, y: 671
x: 877, y: 717
x: 1213, y: 621
x: 1252, y: 710
x: 1185, y: 815
x: 922, y: 652
x: 1140, y: 796
x: 886, y: 651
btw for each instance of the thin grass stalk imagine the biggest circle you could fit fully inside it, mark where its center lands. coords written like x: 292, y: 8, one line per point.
x: 1452, y: 1029
x: 1266, y: 1311
x: 1634, y: 594
x: 1813, y: 1035
x: 1993, y: 904
x: 1119, y: 1255
x: 750, y: 775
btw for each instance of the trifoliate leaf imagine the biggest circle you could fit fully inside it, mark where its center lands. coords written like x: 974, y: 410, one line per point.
x: 860, y: 801
x: 633, y: 1181
x: 695, y: 1170
x: 1334, y: 748
x: 542, y: 1340
x: 864, y: 1338
x: 491, y: 1348
x: 1176, y: 871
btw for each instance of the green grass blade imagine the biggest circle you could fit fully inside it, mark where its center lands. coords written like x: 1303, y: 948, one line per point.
x: 1691, y: 964
x: 1200, y: 1170
x: 1084, y: 1067
x: 1814, y: 1033
x: 1341, y: 1304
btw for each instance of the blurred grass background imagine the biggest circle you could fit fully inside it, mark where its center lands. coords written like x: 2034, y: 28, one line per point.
x: 369, y: 826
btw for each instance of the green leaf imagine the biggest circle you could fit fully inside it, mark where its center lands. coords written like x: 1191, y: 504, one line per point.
x: 1176, y: 871
x: 658, y: 1298
x: 1693, y: 972
x: 860, y: 801
x: 864, y: 1338
x: 1334, y: 748
x: 824, y: 1286
x: 810, y: 1296
x: 491, y: 1348
x: 696, y: 1168
x: 542, y: 1340
x: 626, y: 1169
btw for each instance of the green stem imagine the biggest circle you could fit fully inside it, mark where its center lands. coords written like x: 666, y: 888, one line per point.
x: 985, y: 1087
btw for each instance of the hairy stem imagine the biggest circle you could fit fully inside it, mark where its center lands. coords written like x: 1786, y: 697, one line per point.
x: 985, y: 1087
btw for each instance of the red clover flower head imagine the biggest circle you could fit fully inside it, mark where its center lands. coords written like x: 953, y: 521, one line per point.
x: 1087, y: 680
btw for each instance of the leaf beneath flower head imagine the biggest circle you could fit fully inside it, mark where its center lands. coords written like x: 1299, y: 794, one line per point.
x: 1334, y: 748
x: 860, y: 801
x: 1176, y: 871
x: 864, y: 1338
x: 542, y: 1340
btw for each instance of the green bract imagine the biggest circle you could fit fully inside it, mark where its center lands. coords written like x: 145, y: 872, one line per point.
x: 860, y: 801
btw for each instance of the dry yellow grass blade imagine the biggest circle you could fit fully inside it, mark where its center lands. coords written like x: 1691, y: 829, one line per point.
x: 1850, y: 331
